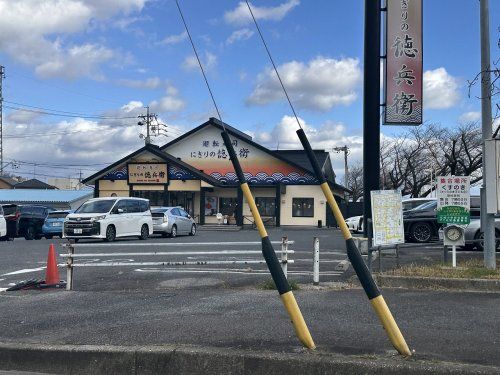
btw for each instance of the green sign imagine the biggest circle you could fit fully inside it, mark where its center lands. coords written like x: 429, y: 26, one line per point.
x: 453, y: 215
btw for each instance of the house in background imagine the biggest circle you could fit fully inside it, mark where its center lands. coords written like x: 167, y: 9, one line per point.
x: 34, y: 184
x: 7, y: 182
x: 66, y: 183
x: 57, y: 199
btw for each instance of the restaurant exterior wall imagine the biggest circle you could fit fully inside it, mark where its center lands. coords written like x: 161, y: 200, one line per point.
x: 118, y: 187
x: 305, y: 191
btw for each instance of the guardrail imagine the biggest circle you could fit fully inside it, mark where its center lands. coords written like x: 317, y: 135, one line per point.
x: 71, y: 256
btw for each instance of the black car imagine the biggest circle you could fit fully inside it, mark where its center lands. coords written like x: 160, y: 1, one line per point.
x: 421, y: 223
x: 30, y: 221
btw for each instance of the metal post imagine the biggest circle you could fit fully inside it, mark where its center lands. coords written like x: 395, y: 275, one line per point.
x: 379, y: 259
x: 284, y: 255
x: 69, y: 268
x: 397, y: 255
x: 454, y: 256
x: 445, y: 255
x: 371, y: 106
x: 488, y: 219
x: 316, y: 261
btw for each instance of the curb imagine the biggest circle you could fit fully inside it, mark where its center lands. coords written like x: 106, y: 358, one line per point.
x: 89, y: 359
x: 414, y: 282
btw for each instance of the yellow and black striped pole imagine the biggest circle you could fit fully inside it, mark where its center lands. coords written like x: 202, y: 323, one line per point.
x: 364, y: 275
x: 272, y: 262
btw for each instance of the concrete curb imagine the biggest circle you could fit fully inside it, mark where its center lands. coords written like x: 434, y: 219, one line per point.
x: 170, y: 359
x: 413, y: 282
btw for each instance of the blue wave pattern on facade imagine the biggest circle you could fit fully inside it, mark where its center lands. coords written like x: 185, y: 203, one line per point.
x: 174, y: 173
x: 262, y: 178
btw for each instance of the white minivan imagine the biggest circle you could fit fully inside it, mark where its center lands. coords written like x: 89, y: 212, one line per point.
x: 109, y: 218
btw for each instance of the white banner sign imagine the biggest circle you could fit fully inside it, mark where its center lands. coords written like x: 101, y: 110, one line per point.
x: 387, y: 216
x: 453, y: 199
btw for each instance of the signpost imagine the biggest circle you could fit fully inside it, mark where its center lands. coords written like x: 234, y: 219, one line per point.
x: 453, y: 200
x: 387, y: 216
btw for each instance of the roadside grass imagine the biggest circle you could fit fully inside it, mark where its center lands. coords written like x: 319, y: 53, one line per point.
x: 269, y: 285
x: 467, y: 269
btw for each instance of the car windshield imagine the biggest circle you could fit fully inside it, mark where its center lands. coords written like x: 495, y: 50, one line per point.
x: 96, y: 207
x: 426, y: 206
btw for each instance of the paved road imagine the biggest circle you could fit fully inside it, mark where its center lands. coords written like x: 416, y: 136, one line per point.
x: 457, y: 327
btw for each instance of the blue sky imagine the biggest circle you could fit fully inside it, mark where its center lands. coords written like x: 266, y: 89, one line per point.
x: 111, y: 58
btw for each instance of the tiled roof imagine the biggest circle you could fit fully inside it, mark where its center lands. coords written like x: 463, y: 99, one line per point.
x: 33, y: 184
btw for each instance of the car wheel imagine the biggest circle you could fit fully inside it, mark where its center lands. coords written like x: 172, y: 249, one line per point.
x: 421, y: 232
x: 48, y: 236
x: 110, y: 233
x: 480, y: 236
x: 193, y: 230
x: 144, y: 232
x: 30, y: 233
x: 173, y: 234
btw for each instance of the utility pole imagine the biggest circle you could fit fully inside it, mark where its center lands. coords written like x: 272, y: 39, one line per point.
x: 345, y: 150
x: 2, y: 76
x: 371, y: 107
x: 146, y: 120
x: 487, y: 219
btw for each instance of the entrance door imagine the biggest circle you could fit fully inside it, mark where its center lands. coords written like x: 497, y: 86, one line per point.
x: 156, y: 197
x: 184, y: 199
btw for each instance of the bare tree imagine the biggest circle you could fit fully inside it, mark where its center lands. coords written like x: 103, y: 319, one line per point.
x: 355, y: 181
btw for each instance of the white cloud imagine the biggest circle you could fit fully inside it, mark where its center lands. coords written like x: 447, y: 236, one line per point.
x: 441, y: 90
x: 321, y: 84
x: 209, y: 62
x: 470, y: 116
x: 238, y: 35
x: 168, y: 103
x: 241, y: 15
x: 174, y: 39
x: 324, y: 137
x: 148, y: 83
x: 35, y: 33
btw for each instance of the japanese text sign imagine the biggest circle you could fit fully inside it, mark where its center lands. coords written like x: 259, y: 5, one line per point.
x: 453, y: 199
x: 147, y: 173
x: 403, y: 73
x: 387, y: 215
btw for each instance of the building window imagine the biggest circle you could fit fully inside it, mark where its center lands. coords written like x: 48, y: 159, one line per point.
x: 228, y: 206
x: 211, y: 208
x: 303, y: 207
x: 266, y: 206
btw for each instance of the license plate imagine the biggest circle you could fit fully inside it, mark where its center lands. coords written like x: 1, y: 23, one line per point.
x: 57, y: 224
x: 78, y: 231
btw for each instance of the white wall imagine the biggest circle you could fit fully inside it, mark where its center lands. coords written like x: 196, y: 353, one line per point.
x: 303, y: 191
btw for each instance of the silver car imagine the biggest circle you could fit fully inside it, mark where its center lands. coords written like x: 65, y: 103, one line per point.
x: 172, y: 221
x: 473, y: 232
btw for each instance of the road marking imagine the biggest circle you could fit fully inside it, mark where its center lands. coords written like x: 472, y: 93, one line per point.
x: 26, y: 270
x: 3, y: 289
x: 235, y: 271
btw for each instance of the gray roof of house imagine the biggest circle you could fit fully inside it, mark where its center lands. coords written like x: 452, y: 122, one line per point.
x: 33, y: 184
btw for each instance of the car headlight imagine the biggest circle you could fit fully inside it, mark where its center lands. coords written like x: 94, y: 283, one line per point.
x: 97, y: 218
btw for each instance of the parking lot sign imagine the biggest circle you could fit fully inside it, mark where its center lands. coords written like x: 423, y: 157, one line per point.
x: 453, y: 199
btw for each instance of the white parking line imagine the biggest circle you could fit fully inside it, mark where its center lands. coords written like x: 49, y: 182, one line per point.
x: 26, y: 270
x: 232, y: 271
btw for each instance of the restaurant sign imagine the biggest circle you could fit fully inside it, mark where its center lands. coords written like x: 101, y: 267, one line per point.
x: 147, y: 173
x: 403, y: 70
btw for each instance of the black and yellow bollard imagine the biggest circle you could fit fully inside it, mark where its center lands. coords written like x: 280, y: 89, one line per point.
x: 364, y: 275
x: 272, y: 262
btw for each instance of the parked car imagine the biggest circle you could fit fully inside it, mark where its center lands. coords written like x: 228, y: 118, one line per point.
x: 171, y: 221
x: 411, y: 203
x: 3, y: 225
x: 30, y: 221
x: 473, y: 231
x: 109, y: 218
x: 354, y: 223
x: 53, y: 225
x: 11, y: 214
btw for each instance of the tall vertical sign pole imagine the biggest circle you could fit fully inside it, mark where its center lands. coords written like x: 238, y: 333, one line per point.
x: 2, y: 76
x: 488, y: 218
x: 371, y: 106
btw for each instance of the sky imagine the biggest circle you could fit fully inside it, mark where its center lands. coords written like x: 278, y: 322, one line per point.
x: 79, y: 72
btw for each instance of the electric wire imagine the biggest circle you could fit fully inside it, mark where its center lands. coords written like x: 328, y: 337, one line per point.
x: 200, y: 64
x: 81, y: 115
x: 274, y: 65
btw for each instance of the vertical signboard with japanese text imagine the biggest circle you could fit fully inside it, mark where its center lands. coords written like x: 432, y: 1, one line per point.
x: 403, y: 73
x: 453, y: 199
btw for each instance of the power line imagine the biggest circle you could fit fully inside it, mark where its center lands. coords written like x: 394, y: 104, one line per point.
x: 81, y: 115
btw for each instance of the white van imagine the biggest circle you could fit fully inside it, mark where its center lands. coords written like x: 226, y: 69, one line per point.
x: 109, y: 218
x: 3, y: 224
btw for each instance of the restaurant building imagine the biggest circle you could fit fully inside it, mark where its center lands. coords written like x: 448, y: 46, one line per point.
x: 194, y: 171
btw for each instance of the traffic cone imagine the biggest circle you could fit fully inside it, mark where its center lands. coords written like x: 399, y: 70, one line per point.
x: 52, y: 272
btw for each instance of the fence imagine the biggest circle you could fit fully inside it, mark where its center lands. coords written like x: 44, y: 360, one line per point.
x: 71, y: 256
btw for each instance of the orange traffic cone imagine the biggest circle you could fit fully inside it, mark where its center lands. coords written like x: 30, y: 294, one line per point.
x: 52, y: 272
